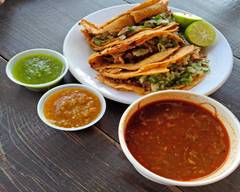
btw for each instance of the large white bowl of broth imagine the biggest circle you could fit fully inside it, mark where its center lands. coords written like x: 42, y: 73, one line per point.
x: 37, y: 69
x: 180, y: 138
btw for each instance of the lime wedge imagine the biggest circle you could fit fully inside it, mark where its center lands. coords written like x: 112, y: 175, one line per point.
x: 185, y: 19
x: 200, y: 33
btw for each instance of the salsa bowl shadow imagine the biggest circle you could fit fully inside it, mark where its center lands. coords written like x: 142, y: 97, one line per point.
x: 227, y: 118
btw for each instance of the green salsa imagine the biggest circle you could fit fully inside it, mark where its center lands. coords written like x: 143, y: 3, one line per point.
x: 37, y: 69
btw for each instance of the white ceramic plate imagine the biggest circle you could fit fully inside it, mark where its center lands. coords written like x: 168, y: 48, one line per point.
x: 77, y: 51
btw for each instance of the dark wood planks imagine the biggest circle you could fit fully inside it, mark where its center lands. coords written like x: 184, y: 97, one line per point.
x: 224, y: 14
x: 109, y: 122
x: 26, y: 24
x: 36, y: 158
x: 29, y: 151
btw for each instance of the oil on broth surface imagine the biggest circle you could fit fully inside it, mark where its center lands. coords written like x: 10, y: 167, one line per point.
x: 177, y: 140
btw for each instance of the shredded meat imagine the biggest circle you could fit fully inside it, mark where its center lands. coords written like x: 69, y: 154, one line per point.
x: 128, y: 81
x: 141, y: 52
x: 152, y: 47
x: 118, y: 58
x: 132, y: 81
x: 108, y: 59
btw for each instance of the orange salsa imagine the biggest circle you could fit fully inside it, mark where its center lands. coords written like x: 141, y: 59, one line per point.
x: 71, y: 107
x: 177, y: 139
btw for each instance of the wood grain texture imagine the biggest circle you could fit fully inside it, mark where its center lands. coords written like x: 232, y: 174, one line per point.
x: 223, y: 14
x: 36, y: 158
x: 26, y: 24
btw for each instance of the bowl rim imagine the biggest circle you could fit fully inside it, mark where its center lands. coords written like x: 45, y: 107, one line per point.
x: 55, y: 89
x: 160, y: 179
x: 19, y: 55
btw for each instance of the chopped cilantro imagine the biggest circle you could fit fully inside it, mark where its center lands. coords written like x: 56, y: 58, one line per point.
x: 97, y: 41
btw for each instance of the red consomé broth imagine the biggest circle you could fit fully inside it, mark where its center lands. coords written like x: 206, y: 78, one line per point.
x: 177, y: 139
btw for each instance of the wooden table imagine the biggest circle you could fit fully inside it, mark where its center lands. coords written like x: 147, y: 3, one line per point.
x: 36, y: 158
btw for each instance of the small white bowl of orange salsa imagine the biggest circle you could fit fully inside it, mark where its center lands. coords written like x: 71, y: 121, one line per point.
x: 180, y: 138
x: 71, y: 107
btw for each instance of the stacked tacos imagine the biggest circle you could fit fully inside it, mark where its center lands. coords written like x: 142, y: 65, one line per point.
x: 150, y: 14
x: 144, y: 47
x: 151, y: 58
x: 183, y: 69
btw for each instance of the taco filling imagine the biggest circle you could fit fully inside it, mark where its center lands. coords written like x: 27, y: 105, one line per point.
x: 142, y: 50
x: 184, y: 73
x: 179, y: 75
x: 139, y: 53
x: 161, y: 19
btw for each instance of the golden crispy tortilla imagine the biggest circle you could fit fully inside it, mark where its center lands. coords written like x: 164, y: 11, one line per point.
x: 121, y: 80
x: 172, y: 27
x: 149, y: 10
x: 127, y: 75
x: 133, y: 16
x: 144, y: 5
x: 136, y: 69
x: 89, y: 27
x: 121, y: 86
x: 139, y: 39
x: 152, y: 68
x: 125, y: 86
x: 179, y: 55
x: 96, y: 59
x: 158, y: 57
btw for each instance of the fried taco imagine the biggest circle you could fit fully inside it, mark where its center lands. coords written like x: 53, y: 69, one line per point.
x: 144, y: 47
x: 150, y: 14
x: 182, y: 70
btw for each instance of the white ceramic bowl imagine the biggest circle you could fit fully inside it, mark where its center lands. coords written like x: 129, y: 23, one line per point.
x: 50, y: 92
x: 36, y: 87
x: 230, y: 122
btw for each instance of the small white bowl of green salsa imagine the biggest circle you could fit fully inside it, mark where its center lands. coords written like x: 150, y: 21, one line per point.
x: 37, y: 69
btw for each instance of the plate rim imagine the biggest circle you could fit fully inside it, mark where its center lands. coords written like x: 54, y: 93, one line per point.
x: 115, y: 98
